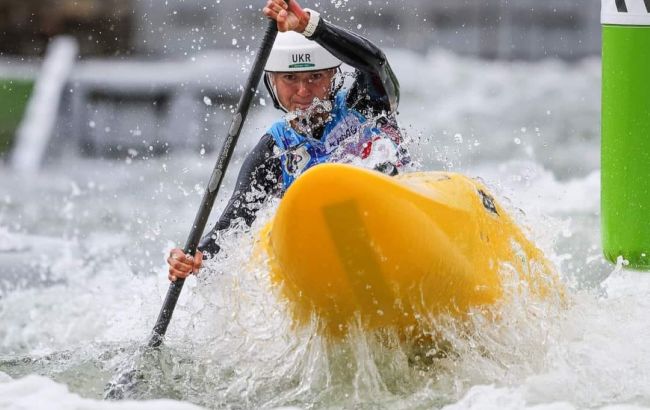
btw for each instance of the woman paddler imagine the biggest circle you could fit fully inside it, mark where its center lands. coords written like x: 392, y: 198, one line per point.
x: 325, y: 121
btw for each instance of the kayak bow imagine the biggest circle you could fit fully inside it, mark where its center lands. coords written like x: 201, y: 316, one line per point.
x: 347, y: 241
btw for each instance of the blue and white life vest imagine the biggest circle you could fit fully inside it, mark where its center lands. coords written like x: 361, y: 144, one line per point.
x: 348, y: 134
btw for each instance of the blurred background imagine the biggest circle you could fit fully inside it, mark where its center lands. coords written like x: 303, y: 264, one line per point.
x: 164, y: 75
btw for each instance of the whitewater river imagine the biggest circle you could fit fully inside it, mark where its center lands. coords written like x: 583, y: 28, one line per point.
x: 82, y: 247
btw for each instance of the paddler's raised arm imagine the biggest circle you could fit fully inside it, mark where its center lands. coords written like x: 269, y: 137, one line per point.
x: 375, y: 78
x: 376, y: 86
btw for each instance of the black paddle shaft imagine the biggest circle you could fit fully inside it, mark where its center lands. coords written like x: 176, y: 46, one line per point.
x: 210, y: 194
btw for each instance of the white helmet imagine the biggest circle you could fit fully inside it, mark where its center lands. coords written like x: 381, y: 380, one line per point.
x: 293, y: 52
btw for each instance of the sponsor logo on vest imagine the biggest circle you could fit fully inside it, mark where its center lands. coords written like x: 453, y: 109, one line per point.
x: 301, y: 61
x: 296, y: 160
x: 344, y: 130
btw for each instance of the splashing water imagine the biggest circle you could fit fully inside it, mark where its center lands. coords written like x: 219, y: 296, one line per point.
x: 311, y: 119
x: 93, y: 277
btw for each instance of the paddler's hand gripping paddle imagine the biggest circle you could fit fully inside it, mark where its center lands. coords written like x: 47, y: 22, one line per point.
x: 116, y: 389
x: 216, y: 178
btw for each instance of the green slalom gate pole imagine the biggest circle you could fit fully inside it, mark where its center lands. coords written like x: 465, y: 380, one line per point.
x: 625, y: 155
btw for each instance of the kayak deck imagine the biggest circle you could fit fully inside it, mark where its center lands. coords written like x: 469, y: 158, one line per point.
x: 350, y: 243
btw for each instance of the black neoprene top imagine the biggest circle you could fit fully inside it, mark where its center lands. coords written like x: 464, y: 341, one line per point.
x: 375, y: 90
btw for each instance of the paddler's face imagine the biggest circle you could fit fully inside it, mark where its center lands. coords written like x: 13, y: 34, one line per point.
x: 297, y: 90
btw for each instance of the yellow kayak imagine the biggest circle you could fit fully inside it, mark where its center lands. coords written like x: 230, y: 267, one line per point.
x: 349, y: 244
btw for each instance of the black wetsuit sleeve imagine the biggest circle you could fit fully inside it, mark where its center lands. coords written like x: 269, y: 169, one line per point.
x: 376, y: 87
x: 260, y: 177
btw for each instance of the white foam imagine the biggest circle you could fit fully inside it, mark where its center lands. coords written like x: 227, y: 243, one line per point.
x: 37, y: 392
x: 230, y: 342
x: 11, y: 242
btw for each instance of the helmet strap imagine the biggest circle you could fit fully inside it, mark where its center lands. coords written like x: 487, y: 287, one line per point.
x: 273, y: 91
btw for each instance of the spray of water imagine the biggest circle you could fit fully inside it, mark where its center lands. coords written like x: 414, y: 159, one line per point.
x: 233, y: 344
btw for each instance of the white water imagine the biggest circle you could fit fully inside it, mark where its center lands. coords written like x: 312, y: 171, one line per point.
x: 530, y: 130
